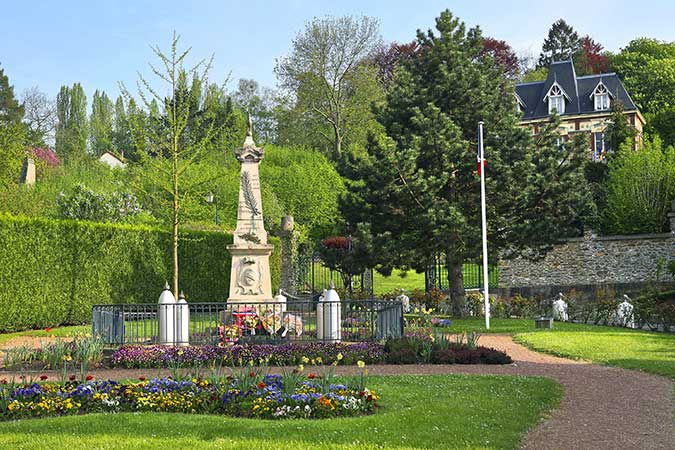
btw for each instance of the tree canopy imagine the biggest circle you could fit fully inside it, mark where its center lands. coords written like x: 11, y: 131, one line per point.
x: 417, y: 189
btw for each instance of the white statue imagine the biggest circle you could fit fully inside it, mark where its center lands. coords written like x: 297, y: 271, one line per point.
x: 405, y: 300
x: 624, y: 313
x: 560, y: 309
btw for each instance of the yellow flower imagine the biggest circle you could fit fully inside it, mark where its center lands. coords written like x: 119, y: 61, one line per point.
x: 339, y: 356
x: 67, y: 358
x: 319, y: 360
x: 305, y: 360
x: 301, y: 368
x: 361, y: 364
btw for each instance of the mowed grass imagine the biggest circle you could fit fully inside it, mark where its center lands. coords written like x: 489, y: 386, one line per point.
x: 418, y: 412
x: 67, y: 331
x: 631, y: 349
x: 512, y: 326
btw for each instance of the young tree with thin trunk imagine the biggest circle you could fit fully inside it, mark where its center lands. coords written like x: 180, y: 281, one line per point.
x: 170, y: 152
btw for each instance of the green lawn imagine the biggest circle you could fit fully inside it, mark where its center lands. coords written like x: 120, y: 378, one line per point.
x: 56, y: 332
x: 512, y: 326
x: 631, y: 349
x: 418, y: 412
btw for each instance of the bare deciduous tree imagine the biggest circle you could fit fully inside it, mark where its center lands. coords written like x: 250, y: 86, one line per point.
x: 39, y: 115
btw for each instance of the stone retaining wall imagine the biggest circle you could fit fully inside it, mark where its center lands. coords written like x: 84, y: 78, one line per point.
x: 593, y: 260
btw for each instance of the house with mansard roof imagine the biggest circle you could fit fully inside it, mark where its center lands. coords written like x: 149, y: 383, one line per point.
x: 583, y: 103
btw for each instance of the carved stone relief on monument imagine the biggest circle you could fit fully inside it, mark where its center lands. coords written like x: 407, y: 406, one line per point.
x: 249, y: 277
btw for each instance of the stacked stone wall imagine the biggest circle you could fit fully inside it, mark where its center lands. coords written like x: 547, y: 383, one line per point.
x: 594, y: 260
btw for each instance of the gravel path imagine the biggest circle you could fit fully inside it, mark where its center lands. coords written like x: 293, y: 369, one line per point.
x: 603, y: 408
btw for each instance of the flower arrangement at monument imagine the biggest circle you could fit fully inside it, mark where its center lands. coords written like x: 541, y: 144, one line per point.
x: 250, y: 394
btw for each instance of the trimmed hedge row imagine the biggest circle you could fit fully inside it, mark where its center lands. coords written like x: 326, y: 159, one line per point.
x: 53, y: 271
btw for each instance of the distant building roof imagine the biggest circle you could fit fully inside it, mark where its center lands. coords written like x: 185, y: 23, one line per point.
x: 112, y: 160
x: 578, y: 90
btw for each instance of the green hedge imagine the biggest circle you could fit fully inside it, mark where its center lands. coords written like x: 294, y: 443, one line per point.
x: 53, y: 271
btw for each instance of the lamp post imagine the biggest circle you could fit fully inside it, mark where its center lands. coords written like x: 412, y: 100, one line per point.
x: 211, y: 199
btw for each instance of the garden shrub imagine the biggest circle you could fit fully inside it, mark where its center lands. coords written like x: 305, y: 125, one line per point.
x: 465, y: 355
x: 492, y: 356
x: 443, y: 356
x: 53, y: 271
x: 406, y: 355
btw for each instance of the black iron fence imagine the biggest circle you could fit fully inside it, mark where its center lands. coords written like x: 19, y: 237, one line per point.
x: 255, y: 322
x: 314, y: 276
x: 472, y: 273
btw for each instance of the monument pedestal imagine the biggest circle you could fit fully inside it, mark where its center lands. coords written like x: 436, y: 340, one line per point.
x: 250, y: 276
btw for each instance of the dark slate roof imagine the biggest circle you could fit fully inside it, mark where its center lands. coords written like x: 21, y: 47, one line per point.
x: 578, y: 89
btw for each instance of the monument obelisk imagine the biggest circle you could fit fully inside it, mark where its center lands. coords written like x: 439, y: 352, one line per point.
x: 250, y: 276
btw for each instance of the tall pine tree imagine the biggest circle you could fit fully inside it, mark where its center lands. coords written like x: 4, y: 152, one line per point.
x: 562, y: 43
x: 11, y: 111
x: 417, y: 189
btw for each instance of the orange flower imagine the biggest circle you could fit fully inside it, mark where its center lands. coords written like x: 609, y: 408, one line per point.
x: 48, y: 329
x: 311, y: 376
x: 89, y: 377
x: 262, y: 385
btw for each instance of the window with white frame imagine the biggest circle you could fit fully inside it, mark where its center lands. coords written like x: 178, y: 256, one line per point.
x: 556, y: 100
x: 601, y: 95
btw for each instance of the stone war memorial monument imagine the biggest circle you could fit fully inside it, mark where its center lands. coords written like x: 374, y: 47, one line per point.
x: 250, y: 276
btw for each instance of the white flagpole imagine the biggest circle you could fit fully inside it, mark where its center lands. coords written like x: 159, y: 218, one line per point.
x: 486, y: 293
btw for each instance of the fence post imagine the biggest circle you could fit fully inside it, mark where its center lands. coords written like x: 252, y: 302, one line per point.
x: 165, y: 315
x: 328, y: 317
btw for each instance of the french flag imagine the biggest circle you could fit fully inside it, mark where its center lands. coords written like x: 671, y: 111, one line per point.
x: 479, y: 149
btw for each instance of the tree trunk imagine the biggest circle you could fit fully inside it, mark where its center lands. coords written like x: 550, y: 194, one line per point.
x: 456, y: 284
x: 176, y: 210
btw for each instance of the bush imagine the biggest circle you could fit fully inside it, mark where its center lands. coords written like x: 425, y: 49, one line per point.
x: 403, y: 356
x: 443, y: 356
x: 464, y: 355
x: 640, y: 189
x: 492, y: 356
x: 53, y: 271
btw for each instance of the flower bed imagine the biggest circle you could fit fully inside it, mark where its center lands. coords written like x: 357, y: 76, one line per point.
x: 139, y: 356
x: 416, y: 348
x: 251, y: 395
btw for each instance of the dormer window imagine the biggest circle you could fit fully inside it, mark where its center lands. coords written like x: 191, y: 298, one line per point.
x: 556, y: 99
x: 601, y: 97
x: 520, y: 104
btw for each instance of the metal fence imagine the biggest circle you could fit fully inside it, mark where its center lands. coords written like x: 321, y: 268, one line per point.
x: 472, y: 273
x: 313, y: 277
x: 255, y: 322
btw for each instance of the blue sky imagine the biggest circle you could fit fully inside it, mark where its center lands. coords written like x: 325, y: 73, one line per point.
x: 100, y: 43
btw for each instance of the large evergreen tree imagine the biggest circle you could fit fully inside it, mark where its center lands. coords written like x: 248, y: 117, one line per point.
x: 418, y: 190
x: 101, y: 123
x: 561, y: 43
x: 11, y: 111
x: 71, y: 129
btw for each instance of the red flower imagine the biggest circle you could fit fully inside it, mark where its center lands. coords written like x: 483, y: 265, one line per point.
x: 141, y: 378
x: 252, y: 374
x: 370, y: 398
x: 311, y: 376
x: 262, y: 385
x: 43, y: 377
x: 72, y: 378
x: 89, y: 377
x: 362, y: 393
x: 48, y: 329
